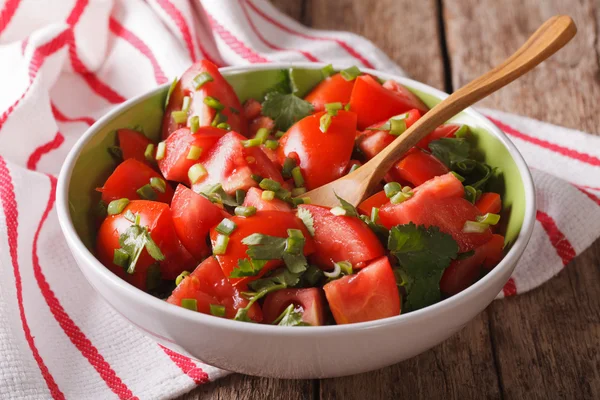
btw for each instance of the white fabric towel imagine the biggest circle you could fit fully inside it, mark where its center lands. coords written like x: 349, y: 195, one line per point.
x: 64, y: 64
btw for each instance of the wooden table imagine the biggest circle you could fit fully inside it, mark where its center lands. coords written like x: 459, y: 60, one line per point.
x: 540, y: 345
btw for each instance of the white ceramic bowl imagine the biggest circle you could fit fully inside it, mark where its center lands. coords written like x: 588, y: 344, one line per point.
x: 295, y: 352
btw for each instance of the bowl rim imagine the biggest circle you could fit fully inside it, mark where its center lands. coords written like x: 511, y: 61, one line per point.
x: 158, y: 305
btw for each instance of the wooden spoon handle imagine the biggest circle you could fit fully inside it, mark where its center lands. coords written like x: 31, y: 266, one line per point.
x: 547, y: 40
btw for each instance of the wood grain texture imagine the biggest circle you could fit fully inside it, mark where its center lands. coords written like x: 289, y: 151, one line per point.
x: 412, y: 42
x: 545, y: 341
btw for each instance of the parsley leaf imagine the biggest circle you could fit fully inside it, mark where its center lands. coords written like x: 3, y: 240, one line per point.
x: 349, y: 208
x: 290, y: 317
x: 135, y: 239
x: 307, y: 218
x: 424, y: 254
x: 285, y: 109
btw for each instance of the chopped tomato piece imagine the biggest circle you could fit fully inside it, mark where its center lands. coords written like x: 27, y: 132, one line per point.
x: 272, y: 223
x: 323, y: 156
x: 252, y: 109
x: 489, y: 202
x: 342, y: 238
x: 127, y: 178
x: 193, y: 216
x: 254, y: 199
x: 372, y: 141
x: 449, y: 214
x: 156, y: 217
x: 367, y: 296
x: 218, y: 89
x: 232, y: 165
x: 308, y: 302
x: 441, y: 187
x: 417, y: 167
x: 330, y: 90
x: 208, y: 286
x: 373, y: 102
x: 175, y: 165
x: 377, y: 200
x: 406, y: 94
x: 463, y: 273
x: 442, y: 131
x: 261, y: 122
x: 133, y: 144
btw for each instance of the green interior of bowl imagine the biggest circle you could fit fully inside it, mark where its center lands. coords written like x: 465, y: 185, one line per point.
x: 95, y: 163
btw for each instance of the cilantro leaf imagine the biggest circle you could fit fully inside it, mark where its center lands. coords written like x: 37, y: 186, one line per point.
x: 307, y: 218
x: 349, y: 208
x: 285, y: 109
x: 423, y: 254
x: 216, y: 194
x: 265, y: 247
x: 379, y: 230
x: 295, y: 263
x: 247, y: 268
x: 135, y: 239
x: 290, y: 317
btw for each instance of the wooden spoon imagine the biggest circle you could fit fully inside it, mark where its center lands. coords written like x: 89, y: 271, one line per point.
x: 354, y: 187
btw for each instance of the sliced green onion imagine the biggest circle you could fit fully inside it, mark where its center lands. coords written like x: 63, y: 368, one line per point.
x: 338, y: 211
x: 298, y: 191
x: 489, y: 218
x: 158, y: 184
x: 218, y: 119
x: 298, y: 178
x: 213, y: 103
x: 146, y: 192
x: 328, y: 70
x: 470, y: 193
x: 354, y: 167
x: 262, y: 134
x: 161, y: 149
x: 117, y: 206
x: 186, y: 104
x: 297, y: 201
x: 306, y: 200
x: 400, y: 197
x: 462, y: 132
x: 391, y: 189
x: 397, y: 126
x: 337, y: 270
x: 269, y: 184
x: 194, y: 122
x: 283, y: 194
x: 179, y: 116
x: 294, y: 244
x: 217, y: 310
x: 345, y: 267
x: 149, y: 152
x: 325, y: 122
x: 351, y: 73
x: 475, y: 227
x: 194, y: 153
x: 279, y: 134
x: 256, y: 178
x: 374, y: 214
x: 288, y: 165
x: 347, y: 107
x: 181, y: 277
x: 171, y: 88
x: 196, y: 172
x: 241, y: 211
x: 115, y: 152
x: 407, y: 190
x: 190, y: 304
x: 121, y: 258
x: 240, y: 196
x: 221, y: 244
x: 458, y: 176
x: 333, y: 106
x: 226, y: 227
x: 254, y: 142
x: 224, y: 125
x: 267, y: 195
x: 201, y: 79
x: 272, y: 144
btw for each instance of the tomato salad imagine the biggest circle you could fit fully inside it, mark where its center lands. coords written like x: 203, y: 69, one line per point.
x: 214, y: 217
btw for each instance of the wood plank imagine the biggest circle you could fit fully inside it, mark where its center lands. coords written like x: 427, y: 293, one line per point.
x: 405, y: 30
x: 462, y: 367
x: 545, y: 341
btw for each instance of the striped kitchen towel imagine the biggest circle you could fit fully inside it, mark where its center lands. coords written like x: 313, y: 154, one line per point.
x: 66, y: 63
